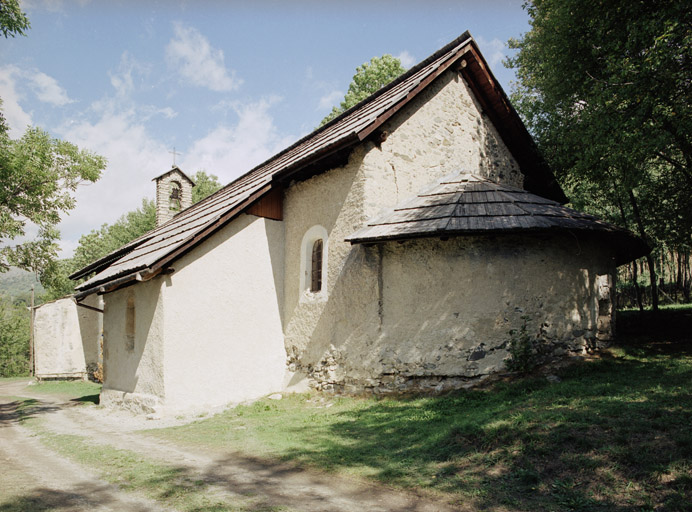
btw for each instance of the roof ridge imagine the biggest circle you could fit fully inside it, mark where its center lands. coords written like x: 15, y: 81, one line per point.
x: 335, y: 138
x: 466, y: 36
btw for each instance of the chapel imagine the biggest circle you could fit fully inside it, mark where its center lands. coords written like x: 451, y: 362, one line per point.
x: 394, y: 249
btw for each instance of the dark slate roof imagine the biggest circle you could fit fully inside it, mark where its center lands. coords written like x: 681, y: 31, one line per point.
x: 158, y: 248
x: 466, y: 204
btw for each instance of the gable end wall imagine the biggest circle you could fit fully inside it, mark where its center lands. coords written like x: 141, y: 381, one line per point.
x: 440, y: 132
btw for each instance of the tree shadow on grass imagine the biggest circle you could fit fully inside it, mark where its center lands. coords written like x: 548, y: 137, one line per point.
x: 20, y: 410
x: 612, y: 435
x: 81, y: 497
x: 94, y: 399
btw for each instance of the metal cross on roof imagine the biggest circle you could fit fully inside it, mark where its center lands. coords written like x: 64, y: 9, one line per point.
x: 174, y: 153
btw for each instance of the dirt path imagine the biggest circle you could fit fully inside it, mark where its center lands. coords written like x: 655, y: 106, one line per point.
x: 35, y: 478
x: 231, y: 477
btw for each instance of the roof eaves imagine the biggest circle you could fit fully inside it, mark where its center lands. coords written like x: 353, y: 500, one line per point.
x: 466, y: 36
x: 206, y: 231
x: 111, y: 257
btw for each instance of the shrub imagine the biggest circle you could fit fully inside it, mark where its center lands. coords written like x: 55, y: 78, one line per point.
x: 521, y: 349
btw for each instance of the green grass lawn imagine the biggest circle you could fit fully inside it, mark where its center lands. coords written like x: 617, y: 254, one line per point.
x: 77, y: 390
x: 613, y: 434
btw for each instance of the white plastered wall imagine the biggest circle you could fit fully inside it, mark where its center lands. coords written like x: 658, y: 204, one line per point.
x: 450, y: 305
x: 66, y: 338
x: 224, y: 341
x: 133, y: 373
x: 440, y: 132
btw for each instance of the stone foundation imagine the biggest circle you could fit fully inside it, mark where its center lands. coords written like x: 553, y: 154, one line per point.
x: 137, y: 403
x: 333, y: 373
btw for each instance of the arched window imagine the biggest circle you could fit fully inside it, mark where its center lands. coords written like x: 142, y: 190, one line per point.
x: 130, y: 324
x: 314, y: 252
x: 316, y: 267
x: 176, y: 196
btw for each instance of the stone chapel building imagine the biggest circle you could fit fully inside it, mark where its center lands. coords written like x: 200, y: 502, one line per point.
x: 392, y: 249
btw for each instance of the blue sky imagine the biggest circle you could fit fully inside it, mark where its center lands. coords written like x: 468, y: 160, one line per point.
x: 226, y: 83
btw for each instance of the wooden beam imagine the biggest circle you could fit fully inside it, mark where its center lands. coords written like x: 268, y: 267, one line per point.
x: 86, y: 306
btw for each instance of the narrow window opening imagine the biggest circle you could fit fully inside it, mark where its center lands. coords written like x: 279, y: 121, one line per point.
x: 314, y: 259
x: 130, y: 324
x: 316, y: 271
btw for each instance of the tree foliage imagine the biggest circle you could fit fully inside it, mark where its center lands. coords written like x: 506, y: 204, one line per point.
x: 605, y: 88
x: 110, y: 237
x: 205, y: 185
x: 12, y: 20
x: 14, y: 339
x: 38, y: 177
x: 369, y: 78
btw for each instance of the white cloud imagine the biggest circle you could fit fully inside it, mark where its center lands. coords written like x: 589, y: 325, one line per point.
x: 150, y: 111
x: 135, y: 155
x: 230, y: 151
x: 330, y: 100
x: 134, y: 158
x: 17, y: 119
x: 14, y: 86
x: 47, y: 89
x: 121, y: 79
x: 494, y: 51
x: 191, y: 55
x: 407, y: 60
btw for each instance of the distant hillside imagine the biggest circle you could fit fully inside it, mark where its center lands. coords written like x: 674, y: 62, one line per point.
x: 16, y: 284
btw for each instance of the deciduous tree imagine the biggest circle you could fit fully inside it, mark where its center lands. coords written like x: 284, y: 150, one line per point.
x: 605, y: 88
x: 38, y: 177
x: 369, y: 77
x: 12, y: 20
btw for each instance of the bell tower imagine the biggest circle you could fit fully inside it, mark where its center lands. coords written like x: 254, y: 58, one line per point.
x: 173, y: 194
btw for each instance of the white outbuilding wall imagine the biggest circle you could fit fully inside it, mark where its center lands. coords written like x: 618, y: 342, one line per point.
x: 66, y: 338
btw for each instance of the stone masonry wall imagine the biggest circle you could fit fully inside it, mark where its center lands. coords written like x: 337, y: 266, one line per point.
x: 443, y: 131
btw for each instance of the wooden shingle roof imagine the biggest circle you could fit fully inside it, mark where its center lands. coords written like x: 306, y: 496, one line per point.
x: 466, y: 204
x: 174, y: 169
x: 154, y: 251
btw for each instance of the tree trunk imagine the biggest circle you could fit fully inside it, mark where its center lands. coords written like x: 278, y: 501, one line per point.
x: 686, y: 276
x: 649, y: 258
x: 678, y: 279
x: 637, y: 290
